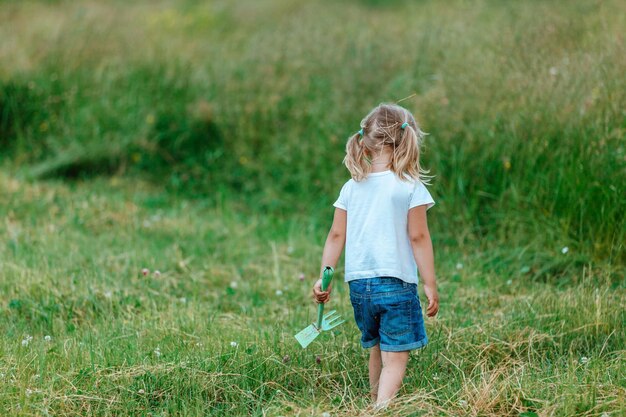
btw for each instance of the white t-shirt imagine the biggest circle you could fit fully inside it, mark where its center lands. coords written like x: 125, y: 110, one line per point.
x: 377, y: 239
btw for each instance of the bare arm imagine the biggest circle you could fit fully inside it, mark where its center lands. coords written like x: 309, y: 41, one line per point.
x: 332, y: 251
x: 423, y: 253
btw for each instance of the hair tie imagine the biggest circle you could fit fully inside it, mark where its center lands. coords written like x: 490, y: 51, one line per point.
x: 361, y: 132
x: 404, y: 125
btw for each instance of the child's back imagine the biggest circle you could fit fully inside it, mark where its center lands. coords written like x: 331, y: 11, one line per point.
x: 377, y: 242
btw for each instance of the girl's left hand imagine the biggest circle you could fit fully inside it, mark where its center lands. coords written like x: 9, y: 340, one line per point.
x: 433, y: 300
x: 321, y: 297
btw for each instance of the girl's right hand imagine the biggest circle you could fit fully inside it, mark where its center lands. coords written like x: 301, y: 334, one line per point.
x: 321, y: 297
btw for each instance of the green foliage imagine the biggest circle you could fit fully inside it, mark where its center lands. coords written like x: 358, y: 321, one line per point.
x: 523, y: 102
x: 521, y: 125
x: 18, y: 110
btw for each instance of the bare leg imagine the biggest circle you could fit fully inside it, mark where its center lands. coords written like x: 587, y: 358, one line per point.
x: 375, y: 366
x: 394, y: 367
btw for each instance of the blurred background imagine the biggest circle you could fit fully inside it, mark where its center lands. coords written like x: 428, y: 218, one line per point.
x: 253, y: 101
x: 205, y: 139
x: 524, y: 102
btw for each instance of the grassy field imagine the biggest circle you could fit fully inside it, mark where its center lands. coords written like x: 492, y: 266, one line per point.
x: 204, y: 140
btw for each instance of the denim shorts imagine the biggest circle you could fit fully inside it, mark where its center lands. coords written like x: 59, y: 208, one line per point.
x: 388, y: 311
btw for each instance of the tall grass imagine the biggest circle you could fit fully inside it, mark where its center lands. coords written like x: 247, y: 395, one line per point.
x: 523, y: 102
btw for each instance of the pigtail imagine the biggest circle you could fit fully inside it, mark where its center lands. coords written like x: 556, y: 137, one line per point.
x: 355, y: 159
x: 406, y: 154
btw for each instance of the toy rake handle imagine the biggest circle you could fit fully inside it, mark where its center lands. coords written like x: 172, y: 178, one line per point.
x: 326, y: 278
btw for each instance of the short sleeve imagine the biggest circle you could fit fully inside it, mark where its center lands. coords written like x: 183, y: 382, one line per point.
x: 342, y: 201
x: 421, y: 196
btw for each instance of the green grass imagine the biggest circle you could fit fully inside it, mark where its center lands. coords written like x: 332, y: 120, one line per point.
x: 72, y: 269
x: 205, y: 139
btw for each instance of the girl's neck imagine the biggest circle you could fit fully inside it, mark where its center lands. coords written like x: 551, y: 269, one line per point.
x: 381, y: 161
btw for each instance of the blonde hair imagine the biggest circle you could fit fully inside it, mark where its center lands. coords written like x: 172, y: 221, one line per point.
x: 381, y: 128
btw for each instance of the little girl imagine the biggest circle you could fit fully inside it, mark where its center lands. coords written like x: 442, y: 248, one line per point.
x: 380, y: 216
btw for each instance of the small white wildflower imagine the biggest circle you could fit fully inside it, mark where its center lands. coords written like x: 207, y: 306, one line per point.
x: 234, y: 344
x: 584, y: 360
x: 554, y: 71
x: 157, y: 273
x: 141, y: 391
x: 108, y: 294
x: 289, y: 250
x: 27, y: 340
x: 182, y: 300
x: 36, y: 376
x: 279, y: 292
x: 199, y: 344
x: 29, y: 392
x: 2, y: 375
x: 525, y: 269
x: 157, y: 352
x: 47, y: 338
x: 605, y: 414
x: 234, y: 284
x: 509, y: 282
x: 325, y: 414
x: 564, y: 250
x: 463, y: 403
x: 459, y: 265
x: 436, y: 377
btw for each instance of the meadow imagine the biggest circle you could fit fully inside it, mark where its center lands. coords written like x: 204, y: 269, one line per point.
x: 167, y: 173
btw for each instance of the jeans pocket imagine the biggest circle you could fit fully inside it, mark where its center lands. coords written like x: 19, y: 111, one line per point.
x: 397, y: 318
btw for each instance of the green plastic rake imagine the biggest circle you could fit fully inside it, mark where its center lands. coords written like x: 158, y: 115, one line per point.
x: 324, y: 322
